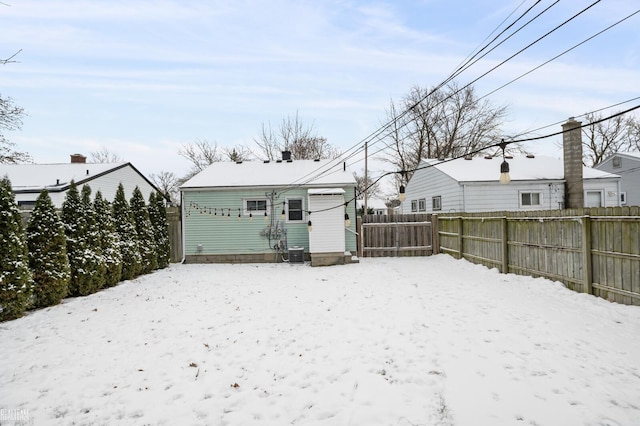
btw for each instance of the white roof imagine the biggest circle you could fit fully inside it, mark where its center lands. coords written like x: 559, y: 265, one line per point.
x: 324, y: 173
x: 326, y: 191
x: 35, y: 177
x: 480, y: 169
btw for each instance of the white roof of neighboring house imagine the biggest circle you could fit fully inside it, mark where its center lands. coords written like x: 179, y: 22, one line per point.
x: 274, y: 173
x: 373, y: 203
x: 480, y: 169
x: 631, y: 155
x: 35, y: 177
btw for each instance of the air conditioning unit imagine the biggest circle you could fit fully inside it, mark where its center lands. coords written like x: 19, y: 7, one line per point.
x: 296, y: 254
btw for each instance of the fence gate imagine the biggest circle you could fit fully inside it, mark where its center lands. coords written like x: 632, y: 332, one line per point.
x: 396, y: 235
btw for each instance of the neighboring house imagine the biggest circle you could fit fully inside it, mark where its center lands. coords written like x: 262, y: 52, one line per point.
x: 377, y: 205
x: 471, y: 185
x: 260, y: 211
x: 627, y: 165
x: 28, y: 180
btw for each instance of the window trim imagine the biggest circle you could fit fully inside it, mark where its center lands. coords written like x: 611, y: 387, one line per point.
x: 436, y: 199
x: 246, y: 212
x: 540, y: 195
x: 616, y: 162
x: 422, y: 205
x: 302, y: 209
x: 414, y: 206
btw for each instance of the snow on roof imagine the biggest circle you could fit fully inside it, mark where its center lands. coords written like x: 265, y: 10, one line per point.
x: 326, y: 191
x: 35, y: 177
x: 273, y: 173
x: 634, y: 155
x: 481, y: 169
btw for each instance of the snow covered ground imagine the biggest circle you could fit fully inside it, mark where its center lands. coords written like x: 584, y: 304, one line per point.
x: 410, y: 341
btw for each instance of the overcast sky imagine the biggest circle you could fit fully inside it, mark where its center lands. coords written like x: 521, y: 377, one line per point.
x: 144, y: 77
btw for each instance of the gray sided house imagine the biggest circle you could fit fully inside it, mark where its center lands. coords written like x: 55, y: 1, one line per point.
x: 627, y: 165
x: 268, y: 211
x: 472, y: 185
x: 28, y: 180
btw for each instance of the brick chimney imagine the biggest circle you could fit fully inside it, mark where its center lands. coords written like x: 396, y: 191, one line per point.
x: 572, y: 147
x: 78, y: 158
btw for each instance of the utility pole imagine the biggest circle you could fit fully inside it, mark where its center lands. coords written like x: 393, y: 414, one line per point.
x: 366, y: 175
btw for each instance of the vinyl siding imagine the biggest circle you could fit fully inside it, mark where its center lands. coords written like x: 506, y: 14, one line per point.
x: 107, y: 184
x: 219, y: 235
x: 608, y: 187
x: 429, y: 183
x: 629, y: 172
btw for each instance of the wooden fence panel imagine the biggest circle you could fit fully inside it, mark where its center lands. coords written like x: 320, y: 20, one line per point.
x: 396, y: 235
x: 589, y: 250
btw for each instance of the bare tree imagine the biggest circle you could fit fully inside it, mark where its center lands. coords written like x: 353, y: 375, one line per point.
x: 440, y: 123
x: 11, y: 119
x: 294, y: 136
x: 105, y: 156
x: 237, y: 153
x: 372, y: 187
x: 167, y: 183
x: 633, y: 132
x: 200, y: 153
x: 601, y: 139
x: 203, y: 153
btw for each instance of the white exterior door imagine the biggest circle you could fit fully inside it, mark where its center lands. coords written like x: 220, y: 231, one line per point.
x: 593, y: 199
x: 327, y: 220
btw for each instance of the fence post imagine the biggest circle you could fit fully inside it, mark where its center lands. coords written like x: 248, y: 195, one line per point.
x: 460, y: 256
x: 435, y: 237
x: 505, y: 246
x: 359, y: 243
x: 587, y: 271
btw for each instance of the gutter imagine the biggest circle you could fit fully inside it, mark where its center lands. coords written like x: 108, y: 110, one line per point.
x: 182, y: 228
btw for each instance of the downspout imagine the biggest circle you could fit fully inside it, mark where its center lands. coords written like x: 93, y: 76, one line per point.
x: 618, y: 192
x: 183, y: 218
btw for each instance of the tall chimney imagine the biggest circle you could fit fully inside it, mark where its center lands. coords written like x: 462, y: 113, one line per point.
x: 572, y: 147
x: 78, y: 158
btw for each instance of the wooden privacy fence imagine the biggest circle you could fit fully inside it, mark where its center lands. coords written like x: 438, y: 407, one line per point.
x: 595, y: 251
x: 395, y: 235
x: 175, y: 233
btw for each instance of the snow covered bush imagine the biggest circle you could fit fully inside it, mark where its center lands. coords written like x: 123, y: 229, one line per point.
x: 109, y: 240
x: 47, y: 253
x: 125, y: 227
x: 93, y: 253
x: 15, y: 277
x: 158, y: 218
x: 86, y: 274
x: 146, y: 239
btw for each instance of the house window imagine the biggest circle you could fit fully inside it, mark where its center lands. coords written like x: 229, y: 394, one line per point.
x: 255, y: 206
x: 623, y: 198
x: 414, y: 206
x: 617, y: 162
x: 294, y: 210
x: 530, y: 199
x: 436, y: 203
x: 422, y: 205
x: 26, y: 204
